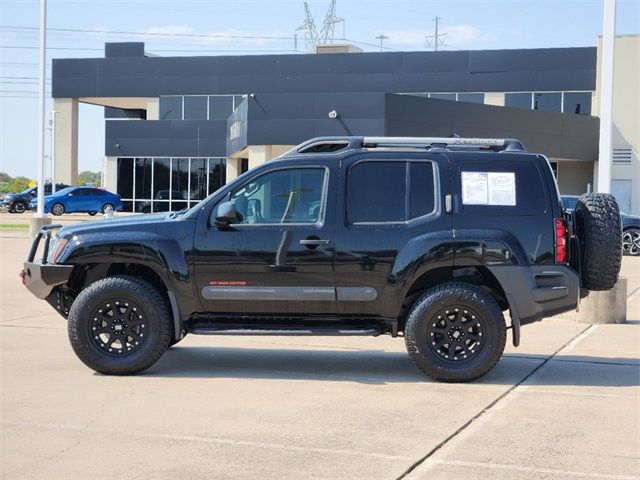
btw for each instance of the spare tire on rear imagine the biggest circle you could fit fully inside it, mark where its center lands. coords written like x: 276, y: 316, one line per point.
x: 599, y: 228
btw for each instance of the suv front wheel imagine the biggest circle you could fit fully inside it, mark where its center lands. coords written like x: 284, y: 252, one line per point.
x: 455, y: 332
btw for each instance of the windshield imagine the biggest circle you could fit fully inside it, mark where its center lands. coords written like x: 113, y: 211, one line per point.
x: 27, y: 191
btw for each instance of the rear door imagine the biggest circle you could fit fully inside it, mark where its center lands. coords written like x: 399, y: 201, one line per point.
x: 392, y: 219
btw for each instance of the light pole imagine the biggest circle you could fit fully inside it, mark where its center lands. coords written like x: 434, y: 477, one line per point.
x: 52, y: 125
x: 606, y: 96
x: 41, y: 113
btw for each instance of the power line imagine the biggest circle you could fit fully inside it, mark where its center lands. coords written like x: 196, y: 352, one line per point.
x: 157, y: 34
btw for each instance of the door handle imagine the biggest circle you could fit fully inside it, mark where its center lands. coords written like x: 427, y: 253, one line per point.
x: 314, y: 242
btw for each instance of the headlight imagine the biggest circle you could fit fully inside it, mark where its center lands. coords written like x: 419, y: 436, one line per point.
x: 58, y: 249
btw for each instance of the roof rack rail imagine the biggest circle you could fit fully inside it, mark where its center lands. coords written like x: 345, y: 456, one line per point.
x: 340, y: 144
x: 494, y: 143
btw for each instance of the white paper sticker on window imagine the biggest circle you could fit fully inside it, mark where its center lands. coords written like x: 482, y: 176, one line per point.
x: 489, y: 188
x: 475, y: 189
x: 502, y: 188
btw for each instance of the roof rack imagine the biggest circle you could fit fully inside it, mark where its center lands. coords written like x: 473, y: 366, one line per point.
x: 340, y: 144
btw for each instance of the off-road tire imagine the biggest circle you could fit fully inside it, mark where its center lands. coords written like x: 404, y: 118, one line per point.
x: 151, y: 304
x: 468, y: 298
x: 19, y: 207
x: 599, y: 228
x: 175, y: 342
x: 59, y: 210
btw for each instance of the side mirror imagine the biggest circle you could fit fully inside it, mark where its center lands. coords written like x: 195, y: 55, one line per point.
x: 225, y: 213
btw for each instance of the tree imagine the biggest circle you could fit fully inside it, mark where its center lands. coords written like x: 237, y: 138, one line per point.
x: 88, y: 177
x: 5, y: 177
x: 18, y: 184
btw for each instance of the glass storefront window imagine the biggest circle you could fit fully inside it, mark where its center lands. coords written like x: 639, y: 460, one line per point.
x: 180, y: 176
x: 220, y: 107
x: 577, y: 102
x: 161, y: 184
x: 125, y: 177
x: 471, y: 97
x: 517, y: 100
x: 198, y: 174
x: 195, y: 108
x: 547, y: 101
x: 170, y: 108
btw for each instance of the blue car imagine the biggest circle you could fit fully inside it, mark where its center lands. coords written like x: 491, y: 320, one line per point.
x: 79, y: 199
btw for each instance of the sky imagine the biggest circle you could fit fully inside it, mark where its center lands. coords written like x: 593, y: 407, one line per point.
x: 79, y: 29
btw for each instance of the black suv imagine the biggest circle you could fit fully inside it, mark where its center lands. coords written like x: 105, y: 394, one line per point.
x: 19, y: 202
x: 431, y: 239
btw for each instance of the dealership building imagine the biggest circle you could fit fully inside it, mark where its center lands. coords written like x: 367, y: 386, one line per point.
x: 177, y: 128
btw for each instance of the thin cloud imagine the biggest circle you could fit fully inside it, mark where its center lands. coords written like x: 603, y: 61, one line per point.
x: 457, y: 35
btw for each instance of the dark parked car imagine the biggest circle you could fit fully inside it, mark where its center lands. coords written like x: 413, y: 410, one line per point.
x: 429, y: 239
x: 161, y: 202
x: 630, y: 227
x: 19, y: 202
x: 80, y: 199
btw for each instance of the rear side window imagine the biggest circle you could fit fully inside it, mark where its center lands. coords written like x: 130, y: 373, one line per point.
x: 528, y: 188
x: 390, y: 192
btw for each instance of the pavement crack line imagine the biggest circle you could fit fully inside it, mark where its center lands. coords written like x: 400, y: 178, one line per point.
x: 500, y: 402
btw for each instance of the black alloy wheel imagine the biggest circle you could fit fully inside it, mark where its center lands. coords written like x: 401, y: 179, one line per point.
x: 118, y: 326
x: 455, y: 334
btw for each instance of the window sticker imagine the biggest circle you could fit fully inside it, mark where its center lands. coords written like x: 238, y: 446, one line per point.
x: 475, y: 188
x: 502, y: 188
x: 489, y: 188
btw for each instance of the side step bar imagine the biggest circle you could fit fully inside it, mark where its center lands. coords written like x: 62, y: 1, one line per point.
x: 294, y: 332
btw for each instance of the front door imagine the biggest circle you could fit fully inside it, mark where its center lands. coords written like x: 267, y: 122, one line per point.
x: 277, y: 257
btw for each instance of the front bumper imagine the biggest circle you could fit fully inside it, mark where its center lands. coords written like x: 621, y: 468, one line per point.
x: 39, y: 276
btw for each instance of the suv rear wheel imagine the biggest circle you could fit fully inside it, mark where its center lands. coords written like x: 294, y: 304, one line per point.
x: 455, y: 332
x: 599, y: 228
x: 119, y: 325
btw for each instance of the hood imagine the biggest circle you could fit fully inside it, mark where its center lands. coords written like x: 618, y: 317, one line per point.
x: 148, y: 222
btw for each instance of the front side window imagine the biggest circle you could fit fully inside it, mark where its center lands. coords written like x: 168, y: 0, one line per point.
x: 282, y: 196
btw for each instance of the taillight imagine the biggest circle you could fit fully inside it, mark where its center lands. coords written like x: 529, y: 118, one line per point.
x: 562, y: 240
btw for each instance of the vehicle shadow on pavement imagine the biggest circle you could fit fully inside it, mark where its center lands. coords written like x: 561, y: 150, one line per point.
x: 377, y: 367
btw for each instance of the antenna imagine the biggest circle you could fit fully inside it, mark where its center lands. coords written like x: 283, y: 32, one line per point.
x: 328, y: 26
x: 382, y: 37
x: 435, y: 38
x: 309, y: 28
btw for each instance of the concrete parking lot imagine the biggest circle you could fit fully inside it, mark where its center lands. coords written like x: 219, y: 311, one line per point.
x: 565, y: 404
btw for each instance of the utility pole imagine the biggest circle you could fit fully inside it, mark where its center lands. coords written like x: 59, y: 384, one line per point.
x: 606, y: 96
x: 435, y: 38
x: 382, y: 37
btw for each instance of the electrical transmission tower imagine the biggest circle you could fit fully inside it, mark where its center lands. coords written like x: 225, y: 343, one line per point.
x: 327, y: 32
x: 309, y: 28
x: 328, y: 26
x: 435, y: 38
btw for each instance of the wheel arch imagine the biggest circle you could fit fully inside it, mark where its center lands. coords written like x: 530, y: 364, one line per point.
x: 478, y: 276
x: 84, y: 274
